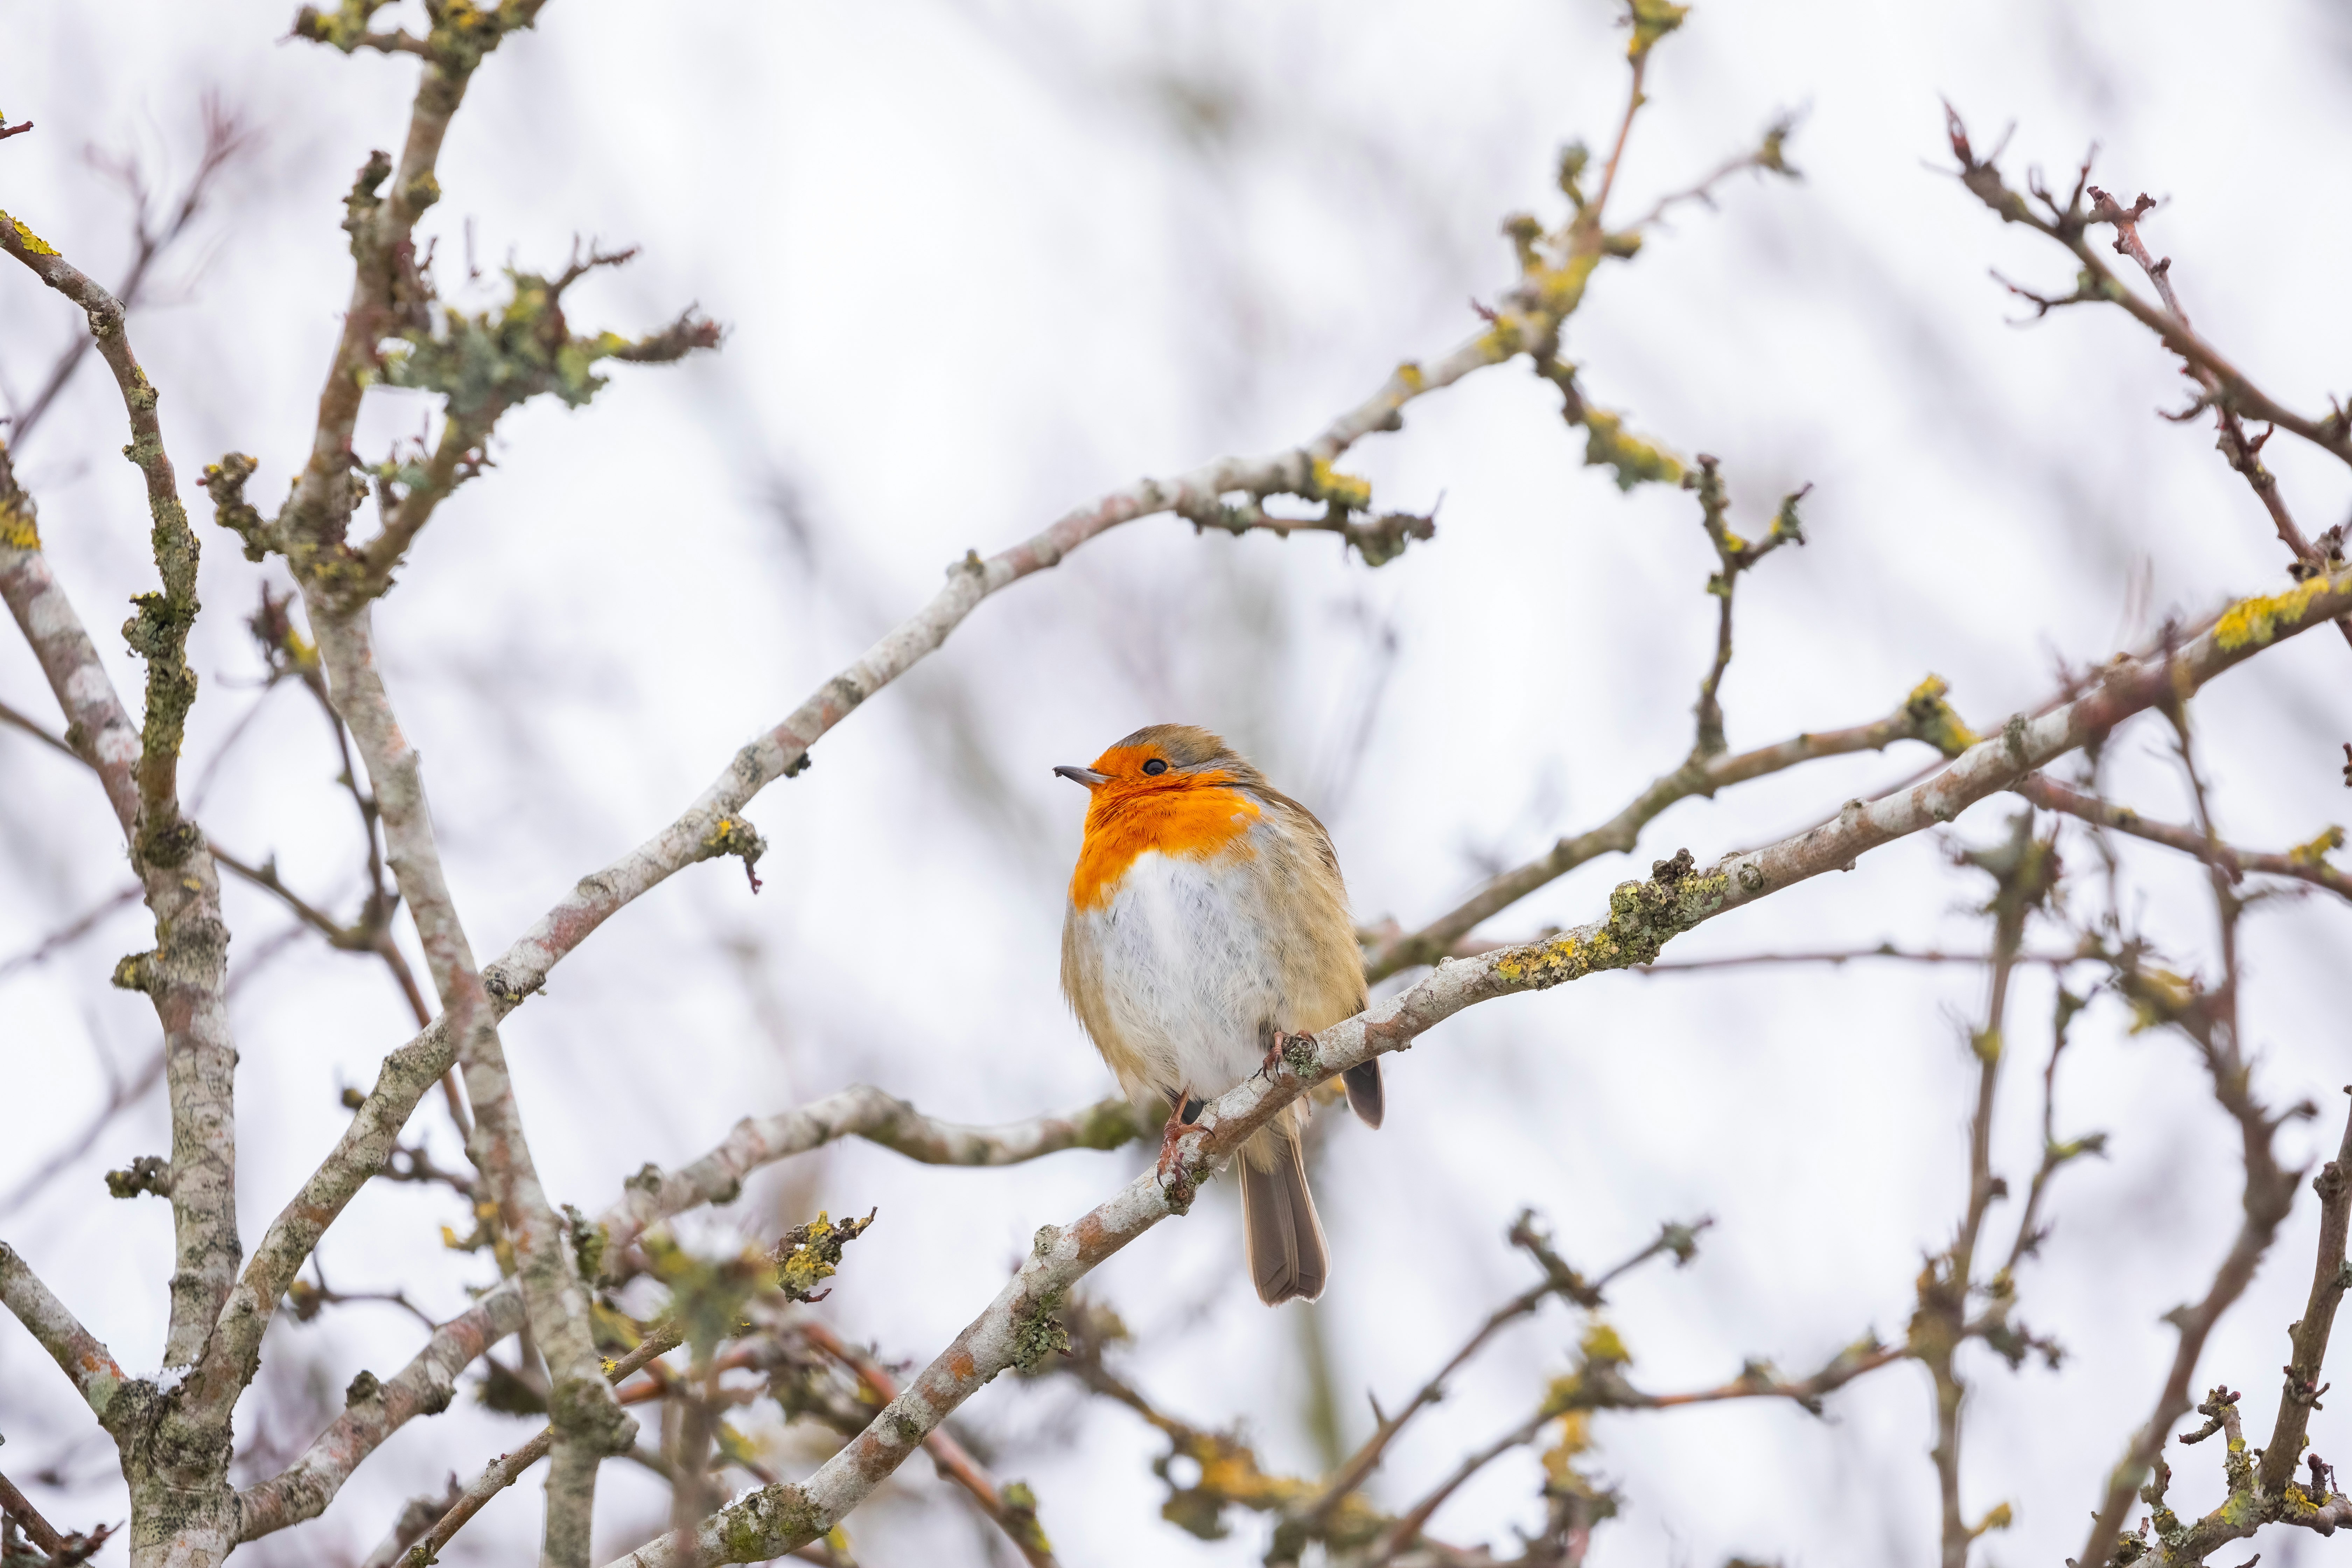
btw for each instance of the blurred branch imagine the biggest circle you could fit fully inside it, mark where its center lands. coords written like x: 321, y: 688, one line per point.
x: 73, y: 930
x: 1884, y: 950
x: 2025, y: 872
x: 2306, y: 863
x: 2054, y: 1154
x: 122, y: 1094
x: 226, y: 137
x: 1017, y: 1519
x: 415, y: 1516
x: 1558, y: 1279
x: 507, y: 1468
x: 372, y: 1412
x: 35, y: 728
x: 371, y: 933
x: 42, y: 1534
x: 2209, y: 1018
x: 1598, y: 1384
x: 1767, y: 157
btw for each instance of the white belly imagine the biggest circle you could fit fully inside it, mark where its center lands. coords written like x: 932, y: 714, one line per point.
x: 1190, y: 981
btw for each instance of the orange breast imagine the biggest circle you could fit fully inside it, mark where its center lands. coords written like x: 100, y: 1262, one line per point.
x: 1198, y: 819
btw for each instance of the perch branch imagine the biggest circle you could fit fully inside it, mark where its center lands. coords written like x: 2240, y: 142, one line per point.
x: 1018, y: 1328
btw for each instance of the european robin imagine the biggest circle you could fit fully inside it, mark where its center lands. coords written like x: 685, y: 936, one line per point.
x: 1207, y: 925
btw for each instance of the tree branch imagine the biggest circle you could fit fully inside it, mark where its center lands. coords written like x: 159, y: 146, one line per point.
x: 858, y: 1111
x: 507, y: 1468
x: 2307, y: 864
x: 1019, y: 1523
x: 2069, y: 225
x: 2242, y: 454
x: 2308, y: 1335
x: 1924, y: 716
x: 863, y: 1112
x: 79, y: 1354
x: 2209, y: 1019
x: 1558, y: 1279
x: 186, y: 976
x: 374, y: 1411
x: 1017, y: 1329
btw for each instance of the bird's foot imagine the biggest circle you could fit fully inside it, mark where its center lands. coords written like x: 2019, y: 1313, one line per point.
x: 1296, y: 1052
x: 1176, y: 1173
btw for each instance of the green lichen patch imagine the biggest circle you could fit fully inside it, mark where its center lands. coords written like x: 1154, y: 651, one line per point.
x: 1110, y: 1125
x: 147, y: 1174
x: 1039, y: 1333
x: 807, y: 1254
x: 1642, y: 916
x: 224, y: 482
x: 1020, y: 1505
x: 486, y: 363
x: 589, y: 1240
x: 774, y: 1519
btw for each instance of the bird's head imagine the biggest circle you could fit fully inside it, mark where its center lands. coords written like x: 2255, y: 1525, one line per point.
x: 1163, y: 757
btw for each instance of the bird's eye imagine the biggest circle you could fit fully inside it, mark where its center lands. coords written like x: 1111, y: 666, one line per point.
x: 1155, y: 767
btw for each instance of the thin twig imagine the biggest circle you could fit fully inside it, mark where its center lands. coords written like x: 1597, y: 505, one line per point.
x: 2308, y: 864
x: 507, y: 1468
x: 227, y: 138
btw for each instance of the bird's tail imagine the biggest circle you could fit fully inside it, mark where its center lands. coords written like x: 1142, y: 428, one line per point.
x: 1287, y: 1254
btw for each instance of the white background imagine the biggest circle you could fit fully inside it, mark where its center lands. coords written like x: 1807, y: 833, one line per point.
x: 979, y: 263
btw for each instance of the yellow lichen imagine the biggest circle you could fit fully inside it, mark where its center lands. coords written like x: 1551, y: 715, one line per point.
x: 33, y: 244
x: 2255, y: 621
x: 1326, y: 483
x: 1652, y: 20
x: 2158, y: 996
x: 1933, y: 720
x: 16, y: 529
x: 1606, y: 446
x: 1409, y: 375
x: 2315, y: 853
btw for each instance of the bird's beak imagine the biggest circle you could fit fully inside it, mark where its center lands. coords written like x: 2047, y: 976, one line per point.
x: 1086, y: 776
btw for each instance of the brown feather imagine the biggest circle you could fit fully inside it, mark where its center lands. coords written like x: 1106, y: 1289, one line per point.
x: 1287, y: 1257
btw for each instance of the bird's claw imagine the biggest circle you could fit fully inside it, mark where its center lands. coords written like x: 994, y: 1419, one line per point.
x: 1277, y: 1055
x: 1175, y: 1172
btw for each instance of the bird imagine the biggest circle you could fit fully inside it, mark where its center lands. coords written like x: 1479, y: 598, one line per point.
x: 1207, y: 925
